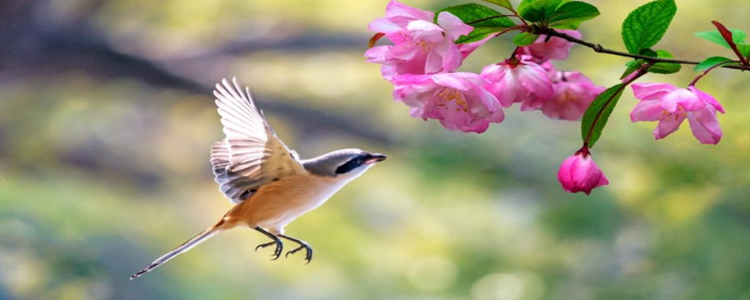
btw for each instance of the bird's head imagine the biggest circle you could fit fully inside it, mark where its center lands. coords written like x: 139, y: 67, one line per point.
x: 345, y: 163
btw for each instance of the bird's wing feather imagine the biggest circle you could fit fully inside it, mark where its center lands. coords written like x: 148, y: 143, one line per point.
x: 251, y: 155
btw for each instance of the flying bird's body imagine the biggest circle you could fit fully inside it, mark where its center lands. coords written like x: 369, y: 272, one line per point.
x: 269, y: 184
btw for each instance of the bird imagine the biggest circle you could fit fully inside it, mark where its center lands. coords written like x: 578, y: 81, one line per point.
x: 268, y: 183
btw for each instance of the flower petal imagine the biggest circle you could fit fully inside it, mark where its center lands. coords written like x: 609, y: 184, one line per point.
x: 668, y: 124
x: 684, y: 98
x: 705, y: 126
x: 651, y: 91
x: 453, y: 26
x: 705, y: 97
x: 647, y: 111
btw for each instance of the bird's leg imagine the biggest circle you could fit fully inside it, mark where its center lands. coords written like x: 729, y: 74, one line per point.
x: 276, y: 241
x: 302, y: 245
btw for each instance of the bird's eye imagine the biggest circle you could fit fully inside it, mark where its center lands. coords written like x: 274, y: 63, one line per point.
x: 351, y: 165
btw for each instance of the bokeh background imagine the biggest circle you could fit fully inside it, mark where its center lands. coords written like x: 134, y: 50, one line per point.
x: 106, y: 120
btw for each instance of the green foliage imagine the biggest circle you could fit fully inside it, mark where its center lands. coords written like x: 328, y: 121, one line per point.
x: 539, y: 10
x: 570, y: 15
x: 710, y: 62
x: 503, y: 3
x: 631, y: 66
x: 744, y: 49
x: 659, y: 68
x: 525, y: 39
x: 486, y: 21
x: 646, y: 25
x: 597, y: 114
x: 557, y: 13
x: 714, y: 36
x: 664, y: 67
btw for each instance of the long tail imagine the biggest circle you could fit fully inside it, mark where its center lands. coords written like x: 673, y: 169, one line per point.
x: 206, y: 234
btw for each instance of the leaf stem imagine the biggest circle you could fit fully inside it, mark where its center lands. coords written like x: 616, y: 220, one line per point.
x: 600, y: 49
x: 692, y: 83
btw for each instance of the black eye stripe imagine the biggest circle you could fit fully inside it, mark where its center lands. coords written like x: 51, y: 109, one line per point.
x: 352, y: 164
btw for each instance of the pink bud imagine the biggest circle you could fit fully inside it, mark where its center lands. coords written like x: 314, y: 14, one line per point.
x: 579, y: 173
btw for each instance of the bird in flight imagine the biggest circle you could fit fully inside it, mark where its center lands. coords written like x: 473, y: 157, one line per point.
x: 268, y: 183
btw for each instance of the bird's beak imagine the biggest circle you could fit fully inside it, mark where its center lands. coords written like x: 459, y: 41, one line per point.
x: 375, y: 157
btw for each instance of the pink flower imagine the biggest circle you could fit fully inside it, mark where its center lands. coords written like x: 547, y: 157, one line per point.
x: 420, y: 46
x: 579, y: 173
x: 515, y: 80
x: 468, y: 48
x: 555, y: 48
x: 458, y: 100
x: 573, y: 93
x: 671, y: 105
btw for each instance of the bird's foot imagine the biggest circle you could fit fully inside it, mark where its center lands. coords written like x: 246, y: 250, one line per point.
x: 276, y: 241
x: 276, y: 252
x: 308, y: 252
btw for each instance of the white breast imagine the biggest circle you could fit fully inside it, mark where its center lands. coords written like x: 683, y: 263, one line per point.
x: 279, y: 203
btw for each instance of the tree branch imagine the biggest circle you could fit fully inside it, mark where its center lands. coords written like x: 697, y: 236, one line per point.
x: 600, y: 49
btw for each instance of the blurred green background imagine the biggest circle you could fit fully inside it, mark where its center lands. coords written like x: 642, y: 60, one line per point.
x: 106, y: 120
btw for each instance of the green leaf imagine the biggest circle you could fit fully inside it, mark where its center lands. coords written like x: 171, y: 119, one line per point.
x: 570, y: 15
x: 664, y: 67
x: 478, y: 15
x: 646, y: 25
x: 539, y: 10
x: 714, y: 36
x: 486, y: 21
x: 478, y: 34
x: 598, y: 113
x: 744, y: 49
x: 710, y: 63
x: 631, y: 67
x: 525, y: 39
x: 503, y: 3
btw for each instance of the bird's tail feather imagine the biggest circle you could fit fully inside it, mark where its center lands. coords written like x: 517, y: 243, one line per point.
x: 201, y: 237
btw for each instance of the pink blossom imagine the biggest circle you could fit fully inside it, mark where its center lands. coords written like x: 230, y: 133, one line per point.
x: 555, y: 48
x: 468, y: 48
x: 420, y: 46
x: 671, y: 105
x: 514, y: 81
x: 579, y: 173
x: 573, y: 93
x: 458, y: 100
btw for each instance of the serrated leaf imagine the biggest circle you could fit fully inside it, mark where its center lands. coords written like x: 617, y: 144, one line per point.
x: 596, y: 116
x: 486, y: 21
x: 525, y: 39
x: 477, y: 15
x: 524, y: 4
x: 646, y: 25
x: 538, y: 10
x: 631, y: 67
x: 710, y: 63
x: 569, y: 15
x: 714, y: 36
x: 664, y: 67
x: 503, y: 3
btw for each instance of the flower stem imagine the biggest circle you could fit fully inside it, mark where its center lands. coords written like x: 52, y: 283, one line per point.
x: 692, y: 83
x: 640, y: 72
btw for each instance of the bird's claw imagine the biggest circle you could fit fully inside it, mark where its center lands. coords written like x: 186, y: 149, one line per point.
x: 276, y: 252
x: 308, y: 252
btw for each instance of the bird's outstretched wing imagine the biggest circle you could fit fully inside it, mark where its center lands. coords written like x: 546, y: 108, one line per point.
x: 251, y: 155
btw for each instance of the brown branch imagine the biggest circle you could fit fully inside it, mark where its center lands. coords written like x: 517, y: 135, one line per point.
x: 600, y: 49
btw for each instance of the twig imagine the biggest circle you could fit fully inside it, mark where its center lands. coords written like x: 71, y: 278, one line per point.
x: 600, y: 49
